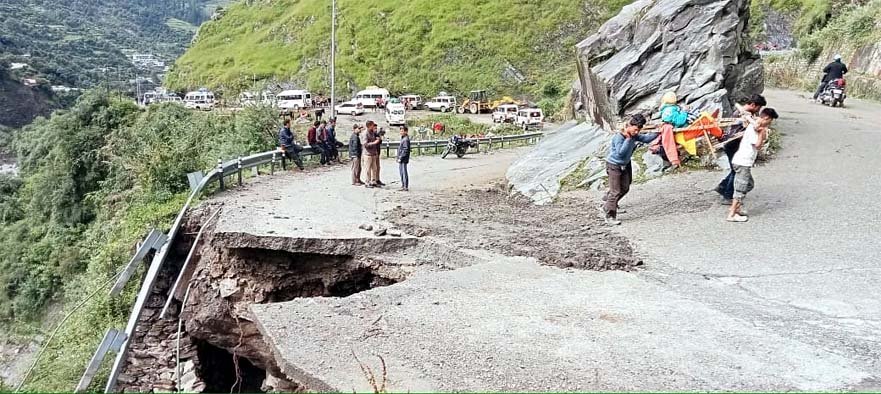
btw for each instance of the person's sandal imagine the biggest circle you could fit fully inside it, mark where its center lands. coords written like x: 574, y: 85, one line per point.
x: 738, y: 219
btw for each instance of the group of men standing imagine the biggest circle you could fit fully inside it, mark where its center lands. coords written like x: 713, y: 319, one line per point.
x: 365, y: 145
x: 742, y: 144
x: 364, y: 151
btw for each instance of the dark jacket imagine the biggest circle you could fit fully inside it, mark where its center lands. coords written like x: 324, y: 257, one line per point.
x: 285, y: 137
x: 404, y: 150
x: 331, y: 134
x: 311, y: 138
x: 355, y: 145
x: 834, y: 70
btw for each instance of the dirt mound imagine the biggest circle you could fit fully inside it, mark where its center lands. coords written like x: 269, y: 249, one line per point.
x: 566, y: 234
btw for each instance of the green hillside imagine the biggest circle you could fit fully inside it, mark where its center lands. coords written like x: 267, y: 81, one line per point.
x: 418, y: 46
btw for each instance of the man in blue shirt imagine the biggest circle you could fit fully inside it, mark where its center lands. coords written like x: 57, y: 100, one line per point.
x: 618, y: 164
x: 288, y: 145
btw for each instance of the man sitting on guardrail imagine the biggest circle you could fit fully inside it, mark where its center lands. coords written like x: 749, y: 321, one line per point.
x: 288, y: 145
x: 317, y: 146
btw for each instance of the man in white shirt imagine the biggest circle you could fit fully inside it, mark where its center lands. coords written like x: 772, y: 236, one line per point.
x: 753, y: 139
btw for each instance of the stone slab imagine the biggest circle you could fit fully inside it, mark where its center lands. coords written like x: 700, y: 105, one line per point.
x: 513, y: 325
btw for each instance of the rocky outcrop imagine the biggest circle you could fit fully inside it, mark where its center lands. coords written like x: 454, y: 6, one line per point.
x: 697, y: 48
x: 537, y: 175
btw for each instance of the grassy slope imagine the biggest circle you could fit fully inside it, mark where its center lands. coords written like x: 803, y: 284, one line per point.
x: 855, y: 26
x: 418, y: 45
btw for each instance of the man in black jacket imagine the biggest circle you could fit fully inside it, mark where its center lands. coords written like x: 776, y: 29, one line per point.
x: 831, y: 72
x: 288, y: 145
x: 355, y: 155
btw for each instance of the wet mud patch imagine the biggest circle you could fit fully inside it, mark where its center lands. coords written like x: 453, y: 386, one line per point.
x: 567, y: 234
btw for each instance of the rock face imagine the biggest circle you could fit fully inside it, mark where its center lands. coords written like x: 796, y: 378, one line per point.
x: 697, y: 48
x: 538, y: 173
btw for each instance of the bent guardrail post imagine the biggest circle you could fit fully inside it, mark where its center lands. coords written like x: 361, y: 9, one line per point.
x: 220, y: 170
x: 239, y: 170
x: 107, y: 344
x: 154, y: 240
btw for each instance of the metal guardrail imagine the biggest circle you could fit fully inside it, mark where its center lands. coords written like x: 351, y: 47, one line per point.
x: 236, y: 168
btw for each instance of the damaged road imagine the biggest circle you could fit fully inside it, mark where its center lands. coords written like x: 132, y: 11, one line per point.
x: 457, y: 286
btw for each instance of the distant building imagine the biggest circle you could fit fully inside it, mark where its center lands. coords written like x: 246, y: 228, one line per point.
x: 16, y: 66
x: 29, y: 82
x: 63, y: 89
x: 147, y: 60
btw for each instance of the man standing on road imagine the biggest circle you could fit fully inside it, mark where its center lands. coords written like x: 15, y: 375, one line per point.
x: 732, y: 143
x: 618, y: 165
x: 372, y: 143
x: 753, y: 139
x: 288, y: 145
x: 404, y: 159
x: 355, y: 155
x: 831, y: 72
x: 319, y: 113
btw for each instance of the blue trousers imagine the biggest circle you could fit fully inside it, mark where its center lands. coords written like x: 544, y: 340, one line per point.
x: 726, y: 187
x: 405, y: 177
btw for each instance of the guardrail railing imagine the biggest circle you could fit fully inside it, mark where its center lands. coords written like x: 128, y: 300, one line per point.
x: 236, y: 168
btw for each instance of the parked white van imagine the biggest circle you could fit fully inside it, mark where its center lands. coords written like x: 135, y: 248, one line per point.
x: 395, y: 113
x: 367, y: 97
x: 202, y: 99
x: 505, y: 113
x: 293, y: 100
x: 528, y: 118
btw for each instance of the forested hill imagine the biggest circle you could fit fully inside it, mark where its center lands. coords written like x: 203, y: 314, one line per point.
x: 80, y: 42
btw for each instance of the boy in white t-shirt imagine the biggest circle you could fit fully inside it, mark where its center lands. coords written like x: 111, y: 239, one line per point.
x: 753, y: 138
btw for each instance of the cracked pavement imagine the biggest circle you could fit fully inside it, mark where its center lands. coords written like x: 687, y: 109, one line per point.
x: 786, y: 302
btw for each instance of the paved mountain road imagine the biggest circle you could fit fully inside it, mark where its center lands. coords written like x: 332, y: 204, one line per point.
x: 788, y: 301
x: 808, y: 263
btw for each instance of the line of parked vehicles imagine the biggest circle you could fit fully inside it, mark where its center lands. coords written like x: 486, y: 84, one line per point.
x: 505, y: 110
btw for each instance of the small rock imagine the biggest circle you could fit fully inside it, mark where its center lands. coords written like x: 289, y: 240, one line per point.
x: 366, y: 227
x: 421, y: 232
x: 228, y: 287
x: 395, y: 232
x: 380, y: 232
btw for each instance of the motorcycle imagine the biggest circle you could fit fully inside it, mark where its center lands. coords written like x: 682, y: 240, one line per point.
x: 458, y: 145
x: 833, y: 94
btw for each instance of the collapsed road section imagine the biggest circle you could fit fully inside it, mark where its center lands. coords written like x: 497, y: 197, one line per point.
x: 273, y: 242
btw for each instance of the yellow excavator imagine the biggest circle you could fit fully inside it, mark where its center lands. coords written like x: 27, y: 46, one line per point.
x: 477, y: 102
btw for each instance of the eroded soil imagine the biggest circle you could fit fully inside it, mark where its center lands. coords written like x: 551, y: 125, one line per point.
x: 565, y: 234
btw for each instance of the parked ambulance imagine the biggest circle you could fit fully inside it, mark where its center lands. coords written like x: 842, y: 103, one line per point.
x: 395, y: 113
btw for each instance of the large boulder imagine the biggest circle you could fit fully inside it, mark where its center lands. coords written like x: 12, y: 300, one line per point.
x: 697, y: 48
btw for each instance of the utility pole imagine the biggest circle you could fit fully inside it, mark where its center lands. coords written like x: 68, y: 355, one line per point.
x: 333, y: 59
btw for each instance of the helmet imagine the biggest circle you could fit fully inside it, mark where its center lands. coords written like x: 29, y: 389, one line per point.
x: 837, y: 57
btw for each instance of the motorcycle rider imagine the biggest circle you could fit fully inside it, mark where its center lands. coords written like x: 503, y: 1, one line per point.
x: 831, y: 72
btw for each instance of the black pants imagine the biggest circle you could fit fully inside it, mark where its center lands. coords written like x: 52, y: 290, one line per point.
x: 293, y: 153
x: 726, y: 187
x: 319, y: 150
x: 820, y: 89
x: 620, y: 178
